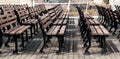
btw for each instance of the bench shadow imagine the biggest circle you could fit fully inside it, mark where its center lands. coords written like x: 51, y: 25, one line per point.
x: 111, y: 47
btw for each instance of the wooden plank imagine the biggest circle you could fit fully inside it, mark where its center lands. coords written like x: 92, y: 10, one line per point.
x: 93, y: 30
x: 91, y: 21
x: 60, y: 21
x: 51, y: 30
x: 12, y: 29
x: 13, y: 17
x: 24, y: 17
x: 56, y: 30
x: 87, y: 16
x: 23, y: 29
x: 17, y: 29
x: 56, y: 21
x: 44, y: 16
x: 104, y: 30
x: 31, y: 20
x: 52, y: 14
x: 61, y: 16
x: 4, y: 20
x: 6, y: 24
x: 96, y: 21
x: 53, y: 17
x: 99, y: 31
x: 65, y: 15
x: 62, y: 30
x: 65, y: 21
x: 47, y: 24
x: 45, y: 20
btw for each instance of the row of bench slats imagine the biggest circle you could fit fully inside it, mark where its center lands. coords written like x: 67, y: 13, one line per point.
x: 57, y: 30
x: 99, y: 30
x: 92, y: 22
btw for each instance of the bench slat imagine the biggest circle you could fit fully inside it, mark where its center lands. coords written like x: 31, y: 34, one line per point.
x: 32, y: 21
x: 6, y: 24
x: 65, y: 21
x: 96, y: 21
x: 47, y: 24
x: 62, y: 30
x: 60, y: 21
x: 98, y: 30
x: 93, y: 30
x: 15, y: 31
x: 56, y: 30
x: 104, y: 30
x: 45, y: 19
x: 91, y: 21
x: 23, y: 29
x: 56, y: 21
x: 8, y: 31
x: 44, y: 16
x: 51, y: 30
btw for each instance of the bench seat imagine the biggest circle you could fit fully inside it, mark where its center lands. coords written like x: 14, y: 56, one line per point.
x: 60, y: 22
x: 92, y: 22
x: 99, y: 31
x: 87, y: 16
x: 16, y: 30
x: 57, y: 30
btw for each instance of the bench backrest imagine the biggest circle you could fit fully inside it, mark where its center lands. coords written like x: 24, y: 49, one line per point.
x: 46, y: 20
x: 43, y: 7
x: 22, y: 14
x: 8, y: 21
x: 7, y: 9
x: 32, y: 12
x: 39, y: 9
x: 111, y: 14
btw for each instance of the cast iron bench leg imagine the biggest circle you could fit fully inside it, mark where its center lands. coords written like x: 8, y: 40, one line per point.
x: 26, y: 36
x: 59, y: 41
x: 6, y: 44
x: 44, y: 44
x: 104, y: 46
x: 86, y: 40
x: 100, y: 41
x: 22, y: 41
x: 62, y: 41
x: 86, y: 50
x: 1, y: 42
x: 16, y: 45
x: 31, y: 30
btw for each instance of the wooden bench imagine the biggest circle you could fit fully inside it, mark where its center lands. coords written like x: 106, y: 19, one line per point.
x: 8, y: 9
x: 9, y: 27
x: 88, y: 23
x: 49, y: 30
x: 97, y: 31
x: 24, y: 19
